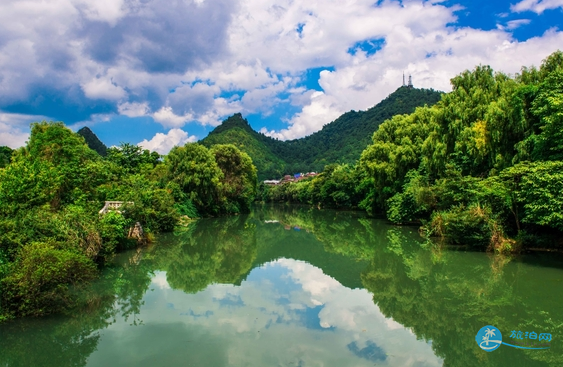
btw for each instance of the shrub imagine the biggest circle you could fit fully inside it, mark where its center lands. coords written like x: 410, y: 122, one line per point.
x: 466, y: 226
x: 40, y: 280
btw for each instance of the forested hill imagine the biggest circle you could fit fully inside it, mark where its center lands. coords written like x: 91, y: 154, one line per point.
x: 92, y: 140
x: 236, y: 130
x: 344, y: 139
x: 341, y: 141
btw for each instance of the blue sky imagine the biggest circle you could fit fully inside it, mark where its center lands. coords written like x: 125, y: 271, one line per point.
x: 162, y: 73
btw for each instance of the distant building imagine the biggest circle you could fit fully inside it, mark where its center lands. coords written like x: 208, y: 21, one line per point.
x: 410, y: 82
x: 271, y: 182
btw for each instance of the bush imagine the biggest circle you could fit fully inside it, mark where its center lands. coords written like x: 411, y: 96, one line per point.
x: 39, y: 282
x: 465, y: 226
x: 187, y: 208
x: 113, y: 230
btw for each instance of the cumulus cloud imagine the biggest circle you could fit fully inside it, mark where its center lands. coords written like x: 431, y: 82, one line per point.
x: 184, y: 62
x: 415, y: 37
x: 13, y: 128
x: 163, y: 143
x: 318, y: 112
x: 102, y: 10
x: 133, y: 109
x: 102, y: 88
x: 11, y: 136
x: 168, y: 118
x: 537, y: 6
x: 79, y: 52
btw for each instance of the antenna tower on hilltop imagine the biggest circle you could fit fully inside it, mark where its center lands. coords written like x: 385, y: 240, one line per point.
x: 410, y: 82
x: 404, y: 85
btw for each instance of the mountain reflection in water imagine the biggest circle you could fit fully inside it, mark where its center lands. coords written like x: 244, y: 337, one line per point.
x: 342, y: 290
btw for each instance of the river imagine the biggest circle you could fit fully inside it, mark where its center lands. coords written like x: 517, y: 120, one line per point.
x: 293, y: 286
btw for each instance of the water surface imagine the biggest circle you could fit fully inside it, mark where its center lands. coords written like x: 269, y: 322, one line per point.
x: 290, y: 286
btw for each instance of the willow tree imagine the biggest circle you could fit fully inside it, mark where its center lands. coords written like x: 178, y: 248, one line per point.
x: 194, y: 170
x: 239, y: 177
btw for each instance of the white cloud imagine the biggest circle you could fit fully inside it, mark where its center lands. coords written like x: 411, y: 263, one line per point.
x: 11, y: 136
x: 201, y: 61
x: 102, y: 10
x: 133, y: 109
x: 318, y: 112
x: 162, y: 143
x: 14, y: 130
x: 103, y: 88
x: 418, y: 40
x: 513, y: 24
x: 537, y: 6
x: 168, y: 118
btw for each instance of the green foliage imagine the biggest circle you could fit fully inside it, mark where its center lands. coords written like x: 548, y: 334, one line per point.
x: 465, y: 152
x: 397, y: 149
x: 335, y: 187
x: 38, y: 282
x: 152, y: 206
x: 536, y: 189
x: 546, y: 143
x: 465, y: 226
x: 416, y: 200
x: 239, y: 177
x: 73, y: 228
x: 5, y: 156
x: 187, y: 207
x: 236, y: 130
x: 132, y: 158
x: 56, y: 167
x: 50, y: 196
x: 113, y: 231
x: 193, y: 168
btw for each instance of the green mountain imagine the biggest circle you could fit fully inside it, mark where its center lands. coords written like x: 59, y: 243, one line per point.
x: 236, y: 130
x: 341, y: 141
x: 92, y: 140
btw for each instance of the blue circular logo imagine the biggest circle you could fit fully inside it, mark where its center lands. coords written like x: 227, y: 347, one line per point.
x: 489, y: 338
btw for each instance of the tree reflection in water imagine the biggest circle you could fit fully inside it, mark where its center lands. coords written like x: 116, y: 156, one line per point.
x: 443, y: 295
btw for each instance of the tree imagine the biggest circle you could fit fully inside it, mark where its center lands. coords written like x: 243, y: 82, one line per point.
x: 193, y: 168
x: 239, y: 177
x: 5, y: 156
x: 55, y: 167
x: 132, y: 158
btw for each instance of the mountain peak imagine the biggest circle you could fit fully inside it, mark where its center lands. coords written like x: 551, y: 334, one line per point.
x: 234, y: 121
x: 340, y: 141
x: 93, y: 141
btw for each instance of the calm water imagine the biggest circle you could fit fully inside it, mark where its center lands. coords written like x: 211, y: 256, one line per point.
x: 299, y: 287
